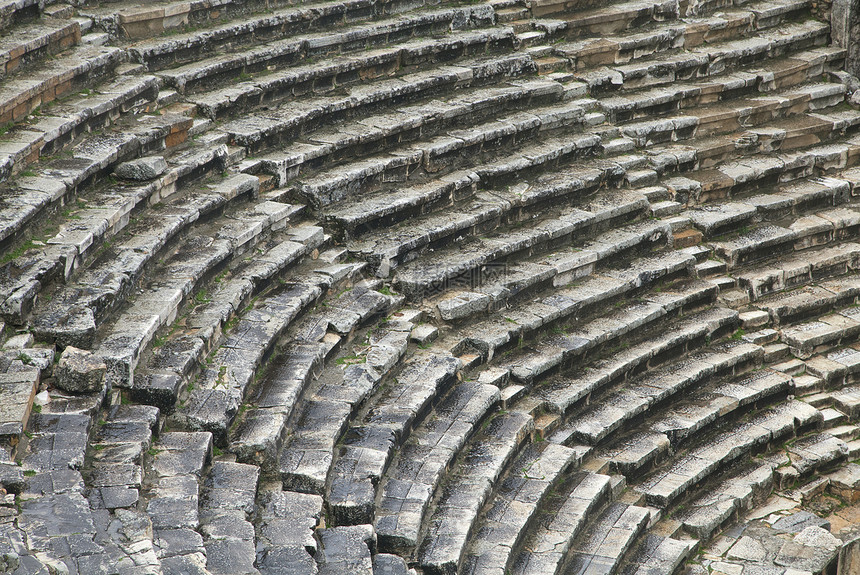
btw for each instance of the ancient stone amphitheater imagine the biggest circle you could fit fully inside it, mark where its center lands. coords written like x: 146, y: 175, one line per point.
x: 390, y: 287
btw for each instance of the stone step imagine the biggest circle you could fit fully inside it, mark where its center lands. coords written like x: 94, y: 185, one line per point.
x: 17, y: 11
x: 332, y: 402
x: 415, y: 475
x: 347, y: 68
x: 787, y: 307
x: 220, y: 389
x: 266, y: 34
x: 99, y: 213
x: 581, y: 321
x: 475, y: 212
x: 341, y: 71
x: 781, y: 73
x: 608, y: 537
x: 42, y: 83
x: 516, y: 505
x: 401, y: 125
x: 816, y: 336
x: 734, y: 115
x: 369, y: 446
x: 562, y: 394
x: 712, y: 60
x: 468, y: 487
x: 786, y: 138
x: 521, y: 280
x: 670, y: 483
x: 659, y: 554
x: 167, y: 367
x: 58, y: 126
x: 687, y: 416
x: 227, y: 503
x: 705, y: 515
x: 77, y: 308
x: 448, y: 265
x: 134, y: 21
x: 688, y: 34
x: 244, y: 97
x: 258, y: 434
x: 36, y: 41
x: 546, y: 547
x: 440, y: 154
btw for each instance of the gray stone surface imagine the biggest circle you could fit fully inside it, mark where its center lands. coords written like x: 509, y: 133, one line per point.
x: 147, y: 168
x: 79, y: 371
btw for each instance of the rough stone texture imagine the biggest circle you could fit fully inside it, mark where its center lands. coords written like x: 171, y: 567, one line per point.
x: 79, y: 371
x: 142, y: 169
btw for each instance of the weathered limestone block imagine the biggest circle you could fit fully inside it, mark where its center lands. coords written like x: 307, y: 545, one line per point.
x: 142, y: 168
x: 79, y: 371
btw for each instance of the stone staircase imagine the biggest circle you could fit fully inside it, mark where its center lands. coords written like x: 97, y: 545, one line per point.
x: 414, y: 288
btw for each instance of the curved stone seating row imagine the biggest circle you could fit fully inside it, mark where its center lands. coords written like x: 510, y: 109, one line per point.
x: 425, y: 120
x: 487, y: 209
x: 121, y: 346
x: 369, y: 445
x: 706, y: 61
x: 577, y: 330
x: 35, y: 41
x: 561, y: 394
x: 294, y: 81
x: 330, y: 404
x: 826, y: 332
x: 516, y: 504
x: 441, y: 153
x: 17, y: 11
x: 377, y: 132
x: 705, y: 515
x: 733, y: 176
x: 734, y: 115
x: 703, y: 410
x: 214, y: 401
x: 467, y: 488
x: 259, y: 433
x: 296, y: 22
x: 568, y: 228
x: 526, y: 278
x: 781, y: 73
x: 57, y: 125
x: 110, y: 209
x: 131, y: 20
x: 166, y: 367
x: 280, y: 53
x: 411, y: 481
x: 689, y: 33
x: 692, y: 413
x: 667, y: 485
x: 43, y: 83
x: 246, y: 96
x: 77, y: 308
x: 804, y: 302
x: 581, y: 494
x: 816, y: 265
x: 603, y: 544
